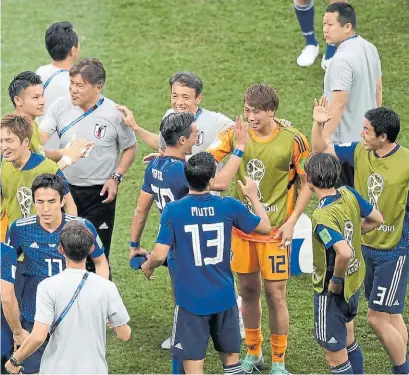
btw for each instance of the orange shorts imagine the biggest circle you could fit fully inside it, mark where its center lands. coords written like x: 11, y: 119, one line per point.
x: 268, y: 258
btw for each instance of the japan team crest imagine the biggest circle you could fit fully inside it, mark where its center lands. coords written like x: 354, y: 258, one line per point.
x: 100, y: 130
x: 200, y: 137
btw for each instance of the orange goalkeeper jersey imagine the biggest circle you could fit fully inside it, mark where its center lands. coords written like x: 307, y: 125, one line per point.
x: 274, y: 163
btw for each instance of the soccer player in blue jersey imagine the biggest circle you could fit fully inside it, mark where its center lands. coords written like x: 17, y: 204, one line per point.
x: 164, y: 179
x: 11, y: 329
x: 38, y: 238
x: 340, y: 218
x: 381, y: 175
x: 195, y: 237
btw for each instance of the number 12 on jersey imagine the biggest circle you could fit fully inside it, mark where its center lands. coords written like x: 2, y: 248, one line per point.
x: 217, y: 242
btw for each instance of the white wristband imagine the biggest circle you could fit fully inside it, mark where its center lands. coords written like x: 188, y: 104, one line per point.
x: 67, y: 160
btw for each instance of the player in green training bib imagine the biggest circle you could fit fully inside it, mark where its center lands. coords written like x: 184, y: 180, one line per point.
x: 339, y: 268
x: 19, y: 168
x: 382, y: 176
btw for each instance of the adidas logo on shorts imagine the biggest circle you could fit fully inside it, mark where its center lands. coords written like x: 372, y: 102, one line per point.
x: 179, y: 346
x: 396, y: 303
x: 332, y: 340
x: 103, y: 226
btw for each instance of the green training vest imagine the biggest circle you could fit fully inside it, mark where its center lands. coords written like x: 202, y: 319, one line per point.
x: 384, y: 182
x: 343, y: 216
x: 268, y: 164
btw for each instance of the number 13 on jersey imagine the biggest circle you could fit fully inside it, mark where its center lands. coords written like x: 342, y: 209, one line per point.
x: 217, y: 242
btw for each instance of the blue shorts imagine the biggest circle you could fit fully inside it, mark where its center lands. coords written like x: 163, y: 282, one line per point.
x: 331, y: 313
x: 32, y: 364
x: 191, y: 332
x: 385, y: 283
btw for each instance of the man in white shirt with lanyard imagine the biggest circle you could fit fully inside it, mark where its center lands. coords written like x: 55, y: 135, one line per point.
x: 87, y: 114
x: 73, y: 307
x: 63, y: 46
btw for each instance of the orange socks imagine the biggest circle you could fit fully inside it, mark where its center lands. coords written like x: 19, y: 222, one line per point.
x: 278, y: 347
x: 254, y: 339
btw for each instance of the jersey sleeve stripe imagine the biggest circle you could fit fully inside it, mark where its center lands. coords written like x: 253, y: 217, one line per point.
x: 301, y: 144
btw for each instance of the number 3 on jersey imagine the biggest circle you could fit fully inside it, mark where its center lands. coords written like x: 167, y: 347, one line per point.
x: 161, y: 195
x: 217, y: 242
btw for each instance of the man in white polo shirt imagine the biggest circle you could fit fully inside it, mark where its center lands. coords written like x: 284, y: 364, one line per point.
x: 88, y: 115
x: 185, y: 96
x: 63, y: 46
x: 352, y: 82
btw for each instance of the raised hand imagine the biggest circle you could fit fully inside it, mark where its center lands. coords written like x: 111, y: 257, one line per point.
x: 241, y: 132
x: 320, y: 113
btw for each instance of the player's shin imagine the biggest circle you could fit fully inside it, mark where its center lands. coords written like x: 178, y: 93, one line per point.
x: 231, y: 363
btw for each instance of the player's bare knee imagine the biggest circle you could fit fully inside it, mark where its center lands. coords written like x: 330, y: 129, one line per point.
x: 250, y: 287
x: 303, y: 3
x: 275, y: 293
x: 250, y: 293
x: 377, y: 320
x: 336, y: 358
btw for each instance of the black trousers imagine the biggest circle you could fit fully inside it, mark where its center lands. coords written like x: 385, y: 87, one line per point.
x: 347, y: 176
x: 101, y: 215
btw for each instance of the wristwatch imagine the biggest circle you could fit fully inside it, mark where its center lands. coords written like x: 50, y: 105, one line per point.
x: 14, y: 361
x: 117, y: 177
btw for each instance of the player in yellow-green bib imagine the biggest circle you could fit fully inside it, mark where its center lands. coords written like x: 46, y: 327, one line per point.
x: 382, y: 176
x: 19, y: 168
x: 339, y: 268
x: 274, y: 158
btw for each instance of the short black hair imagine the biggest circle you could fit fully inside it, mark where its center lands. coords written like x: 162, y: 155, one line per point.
x: 76, y: 240
x: 21, y: 81
x: 384, y: 121
x: 91, y: 70
x: 323, y: 170
x: 187, y: 79
x: 59, y: 39
x: 49, y: 181
x: 176, y: 125
x: 346, y: 14
x: 199, y: 169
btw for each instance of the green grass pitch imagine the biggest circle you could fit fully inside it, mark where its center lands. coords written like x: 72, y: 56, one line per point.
x: 230, y: 44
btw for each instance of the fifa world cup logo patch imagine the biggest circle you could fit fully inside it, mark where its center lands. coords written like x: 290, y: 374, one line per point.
x: 348, y: 235
x: 256, y: 171
x: 354, y: 263
x: 375, y: 187
x: 25, y: 200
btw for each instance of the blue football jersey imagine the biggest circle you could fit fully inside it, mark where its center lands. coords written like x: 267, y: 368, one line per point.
x: 165, y: 179
x: 41, y: 256
x: 198, y: 229
x: 8, y: 273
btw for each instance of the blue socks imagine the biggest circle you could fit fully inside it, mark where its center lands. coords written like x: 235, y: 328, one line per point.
x: 343, y: 368
x: 177, y: 366
x: 355, y: 358
x: 305, y: 16
x: 401, y: 369
x: 330, y: 51
x: 233, y: 369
